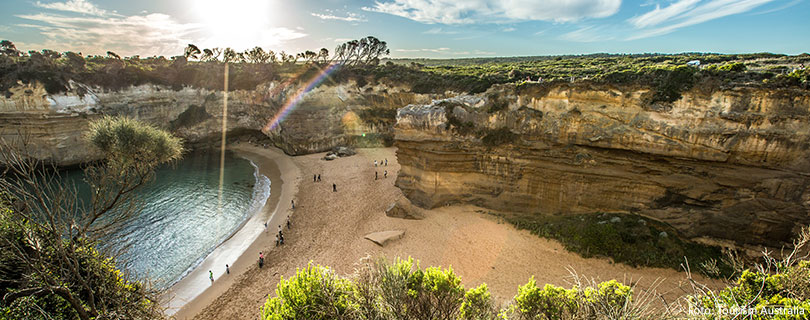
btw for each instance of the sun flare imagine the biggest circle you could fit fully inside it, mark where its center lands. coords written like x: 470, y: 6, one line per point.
x: 239, y: 24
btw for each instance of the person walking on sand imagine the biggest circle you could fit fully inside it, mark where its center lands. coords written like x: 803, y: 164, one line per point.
x: 334, y: 187
x: 385, y: 174
x: 386, y: 162
x: 319, y: 178
x: 211, y: 276
x: 375, y: 175
x: 261, y: 259
x: 375, y: 163
x: 313, y: 178
x: 293, y: 203
x: 288, y: 222
x: 227, y: 269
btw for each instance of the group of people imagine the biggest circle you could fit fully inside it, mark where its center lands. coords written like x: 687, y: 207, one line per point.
x: 383, y: 162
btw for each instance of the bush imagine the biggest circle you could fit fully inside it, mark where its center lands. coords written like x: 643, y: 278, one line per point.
x: 313, y: 293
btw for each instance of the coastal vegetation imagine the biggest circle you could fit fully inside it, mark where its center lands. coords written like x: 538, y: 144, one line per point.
x: 777, y: 288
x: 363, y: 61
x: 56, y: 261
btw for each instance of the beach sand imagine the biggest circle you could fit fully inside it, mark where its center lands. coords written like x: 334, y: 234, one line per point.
x: 329, y: 229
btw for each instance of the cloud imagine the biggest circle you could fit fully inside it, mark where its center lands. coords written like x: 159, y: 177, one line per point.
x: 493, y: 11
x: 684, y: 13
x: 77, y: 6
x: 510, y: 29
x: 439, y: 31
x: 660, y: 15
x: 586, y: 34
x: 349, y: 17
x: 147, y: 34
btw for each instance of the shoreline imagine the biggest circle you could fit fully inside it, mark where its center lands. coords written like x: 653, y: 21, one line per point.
x: 193, y: 292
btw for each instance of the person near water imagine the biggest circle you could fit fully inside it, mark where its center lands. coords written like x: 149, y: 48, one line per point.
x: 385, y: 174
x: 293, y: 203
x: 334, y: 187
x: 279, y: 229
x: 211, y: 275
x: 227, y: 269
x: 261, y: 259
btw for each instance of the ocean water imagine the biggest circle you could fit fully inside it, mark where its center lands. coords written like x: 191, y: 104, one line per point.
x: 181, y: 221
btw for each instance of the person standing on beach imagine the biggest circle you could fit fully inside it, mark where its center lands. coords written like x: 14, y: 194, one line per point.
x: 313, y: 178
x: 386, y: 162
x: 288, y: 222
x: 334, y: 187
x: 375, y: 175
x: 375, y: 163
x: 319, y: 178
x: 211, y: 276
x: 385, y: 174
x: 227, y: 270
x: 261, y: 259
x: 293, y: 203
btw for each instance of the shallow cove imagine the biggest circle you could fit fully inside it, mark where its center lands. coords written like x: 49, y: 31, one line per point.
x: 181, y: 222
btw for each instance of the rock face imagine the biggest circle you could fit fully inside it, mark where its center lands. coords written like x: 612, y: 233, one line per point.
x: 730, y: 165
x: 327, y: 116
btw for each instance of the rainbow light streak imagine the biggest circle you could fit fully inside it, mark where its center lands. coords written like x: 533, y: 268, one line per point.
x: 293, y: 102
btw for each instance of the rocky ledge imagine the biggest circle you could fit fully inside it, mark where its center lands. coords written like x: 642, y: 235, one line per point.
x: 728, y: 166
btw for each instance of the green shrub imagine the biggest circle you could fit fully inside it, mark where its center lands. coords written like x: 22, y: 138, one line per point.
x: 478, y: 304
x: 550, y: 302
x: 313, y: 293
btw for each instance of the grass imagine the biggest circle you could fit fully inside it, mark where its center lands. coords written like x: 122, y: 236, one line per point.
x: 624, y: 238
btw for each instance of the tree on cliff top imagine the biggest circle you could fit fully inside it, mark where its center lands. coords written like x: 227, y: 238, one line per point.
x: 55, y: 258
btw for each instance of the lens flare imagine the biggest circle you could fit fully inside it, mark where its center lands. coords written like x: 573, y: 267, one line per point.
x: 294, y: 100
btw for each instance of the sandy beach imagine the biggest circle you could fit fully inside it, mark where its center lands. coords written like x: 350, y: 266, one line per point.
x: 329, y: 229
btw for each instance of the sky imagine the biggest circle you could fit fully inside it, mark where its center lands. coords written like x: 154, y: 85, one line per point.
x: 412, y: 28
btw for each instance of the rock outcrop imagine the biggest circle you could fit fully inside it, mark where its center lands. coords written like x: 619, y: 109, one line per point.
x: 726, y: 164
x: 330, y: 115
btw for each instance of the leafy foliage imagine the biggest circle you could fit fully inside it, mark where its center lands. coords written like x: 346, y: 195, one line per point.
x: 55, y: 259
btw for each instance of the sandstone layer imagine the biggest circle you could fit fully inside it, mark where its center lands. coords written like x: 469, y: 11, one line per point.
x: 327, y: 116
x: 720, y: 165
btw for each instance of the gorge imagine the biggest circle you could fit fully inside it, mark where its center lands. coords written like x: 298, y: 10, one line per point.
x: 723, y: 165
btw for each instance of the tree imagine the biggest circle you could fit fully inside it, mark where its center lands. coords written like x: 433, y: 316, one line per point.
x: 323, y: 55
x: 9, y: 49
x: 191, y: 52
x: 366, y: 51
x: 113, y: 55
x: 53, y: 248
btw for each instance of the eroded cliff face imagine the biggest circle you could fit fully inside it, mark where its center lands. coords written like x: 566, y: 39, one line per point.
x: 328, y: 116
x: 719, y: 165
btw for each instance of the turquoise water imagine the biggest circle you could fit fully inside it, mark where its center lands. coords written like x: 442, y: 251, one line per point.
x: 180, y: 223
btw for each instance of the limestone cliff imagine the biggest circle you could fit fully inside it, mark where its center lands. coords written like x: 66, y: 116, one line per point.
x: 718, y: 164
x: 329, y: 115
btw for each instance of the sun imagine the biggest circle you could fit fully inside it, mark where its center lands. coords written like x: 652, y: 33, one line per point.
x: 239, y: 24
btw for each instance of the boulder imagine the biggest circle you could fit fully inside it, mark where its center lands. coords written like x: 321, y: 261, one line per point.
x: 383, y: 237
x: 404, y: 209
x: 330, y: 157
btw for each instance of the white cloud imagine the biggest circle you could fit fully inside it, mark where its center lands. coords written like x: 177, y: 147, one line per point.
x: 510, y: 29
x: 586, y: 34
x: 685, y: 13
x: 660, y: 15
x: 151, y: 34
x: 492, y: 11
x: 77, y: 6
x: 440, y: 31
x: 349, y: 17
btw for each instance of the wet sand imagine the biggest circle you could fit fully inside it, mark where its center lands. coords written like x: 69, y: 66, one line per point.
x: 328, y: 229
